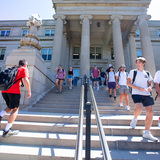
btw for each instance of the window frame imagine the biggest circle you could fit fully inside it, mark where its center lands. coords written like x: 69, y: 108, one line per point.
x: 5, y: 33
x: 1, y: 54
x: 95, y: 54
x: 50, y: 32
x: 76, y: 54
x: 48, y: 54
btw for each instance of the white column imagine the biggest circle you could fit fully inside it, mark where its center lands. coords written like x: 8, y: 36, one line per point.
x: 57, y: 47
x: 117, y: 41
x: 85, y: 45
x: 146, y: 44
x: 133, y: 51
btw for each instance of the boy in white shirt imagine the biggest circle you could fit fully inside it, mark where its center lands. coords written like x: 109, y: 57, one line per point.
x: 121, y: 80
x: 141, y: 88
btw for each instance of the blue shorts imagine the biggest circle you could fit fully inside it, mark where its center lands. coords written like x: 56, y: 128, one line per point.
x: 95, y: 79
x: 112, y: 85
x: 70, y: 76
x: 145, y: 100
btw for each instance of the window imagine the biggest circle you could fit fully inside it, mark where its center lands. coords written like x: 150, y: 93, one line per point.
x: 76, y: 52
x: 95, y: 52
x: 139, y: 53
x: 49, y: 32
x: 112, y: 54
x: 2, y: 53
x: 24, y: 32
x: 4, y: 33
x: 47, y: 54
x: 137, y: 33
x: 158, y: 33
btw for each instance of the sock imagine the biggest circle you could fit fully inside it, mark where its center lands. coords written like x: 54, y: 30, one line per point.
x: 2, y: 113
x: 146, y: 131
x: 8, y: 126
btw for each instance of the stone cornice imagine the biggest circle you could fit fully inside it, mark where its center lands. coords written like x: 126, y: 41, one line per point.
x: 83, y: 16
x: 62, y: 17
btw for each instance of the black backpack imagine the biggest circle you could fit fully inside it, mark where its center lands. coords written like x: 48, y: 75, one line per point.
x: 7, y: 78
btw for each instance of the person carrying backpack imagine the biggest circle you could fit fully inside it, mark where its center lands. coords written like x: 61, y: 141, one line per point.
x: 59, y: 78
x: 157, y: 84
x: 141, y: 88
x: 121, y: 80
x: 111, y: 82
x: 12, y: 97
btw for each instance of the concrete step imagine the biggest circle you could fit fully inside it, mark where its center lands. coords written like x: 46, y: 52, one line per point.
x: 73, y: 119
x: 54, y: 110
x: 72, y: 128
x: 69, y: 140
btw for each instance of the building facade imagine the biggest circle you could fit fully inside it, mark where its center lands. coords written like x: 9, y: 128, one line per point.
x: 89, y: 32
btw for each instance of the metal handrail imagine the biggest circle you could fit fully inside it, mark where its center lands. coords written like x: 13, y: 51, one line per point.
x: 79, y: 142
x: 105, y: 148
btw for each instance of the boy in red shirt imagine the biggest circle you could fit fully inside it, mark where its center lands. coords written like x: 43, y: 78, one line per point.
x: 12, y: 97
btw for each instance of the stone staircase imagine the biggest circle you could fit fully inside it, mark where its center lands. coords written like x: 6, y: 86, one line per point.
x: 48, y: 130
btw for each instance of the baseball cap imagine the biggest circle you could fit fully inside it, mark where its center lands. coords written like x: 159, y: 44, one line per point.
x: 123, y: 65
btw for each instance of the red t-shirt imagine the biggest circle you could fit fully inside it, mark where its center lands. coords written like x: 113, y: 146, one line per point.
x: 22, y: 73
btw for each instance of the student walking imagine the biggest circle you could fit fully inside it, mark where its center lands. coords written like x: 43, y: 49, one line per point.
x: 121, y: 80
x: 95, y: 76
x: 59, y: 78
x: 111, y: 82
x: 157, y: 83
x: 12, y: 98
x: 103, y: 77
x: 70, y: 77
x: 140, y: 81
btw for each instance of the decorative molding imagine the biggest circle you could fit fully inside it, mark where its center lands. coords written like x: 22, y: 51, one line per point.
x: 83, y: 16
x: 34, y: 20
x: 61, y: 16
x: 142, y: 17
x: 115, y: 16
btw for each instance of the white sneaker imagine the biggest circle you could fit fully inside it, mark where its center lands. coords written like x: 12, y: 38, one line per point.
x: 94, y: 87
x: 98, y: 89
x: 133, y: 123
x: 121, y: 104
x: 102, y: 85
x: 148, y: 135
x: 127, y: 108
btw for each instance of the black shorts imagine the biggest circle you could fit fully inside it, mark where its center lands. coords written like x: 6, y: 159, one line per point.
x: 12, y: 100
x: 145, y: 100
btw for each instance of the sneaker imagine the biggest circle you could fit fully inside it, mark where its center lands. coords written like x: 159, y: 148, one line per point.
x: 148, y: 135
x: 121, y: 104
x: 114, y: 98
x: 98, y: 89
x: 10, y: 133
x: 110, y: 96
x: 127, y: 108
x: 102, y: 85
x: 60, y: 92
x: 133, y: 123
x: 94, y: 87
x: 57, y: 90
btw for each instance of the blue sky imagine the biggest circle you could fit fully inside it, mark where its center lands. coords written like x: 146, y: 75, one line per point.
x: 22, y: 10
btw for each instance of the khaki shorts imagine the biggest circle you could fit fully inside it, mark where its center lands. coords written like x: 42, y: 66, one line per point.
x: 123, y: 89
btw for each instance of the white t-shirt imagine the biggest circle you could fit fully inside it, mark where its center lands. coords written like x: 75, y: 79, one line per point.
x: 122, y: 78
x: 140, y: 81
x: 111, y: 77
x: 157, y: 77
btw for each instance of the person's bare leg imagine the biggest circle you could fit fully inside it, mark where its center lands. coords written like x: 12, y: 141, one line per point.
x: 56, y: 83
x: 13, y: 115
x: 149, y: 117
x: 138, y: 109
x: 126, y: 97
x: 121, y: 97
x: 60, y: 85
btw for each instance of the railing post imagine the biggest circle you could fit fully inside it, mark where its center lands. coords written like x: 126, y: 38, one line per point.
x: 85, y: 91
x: 88, y: 130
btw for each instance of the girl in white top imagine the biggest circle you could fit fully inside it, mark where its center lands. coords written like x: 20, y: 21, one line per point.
x: 157, y: 83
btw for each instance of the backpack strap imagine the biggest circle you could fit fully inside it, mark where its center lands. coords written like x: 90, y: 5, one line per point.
x: 134, y: 76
